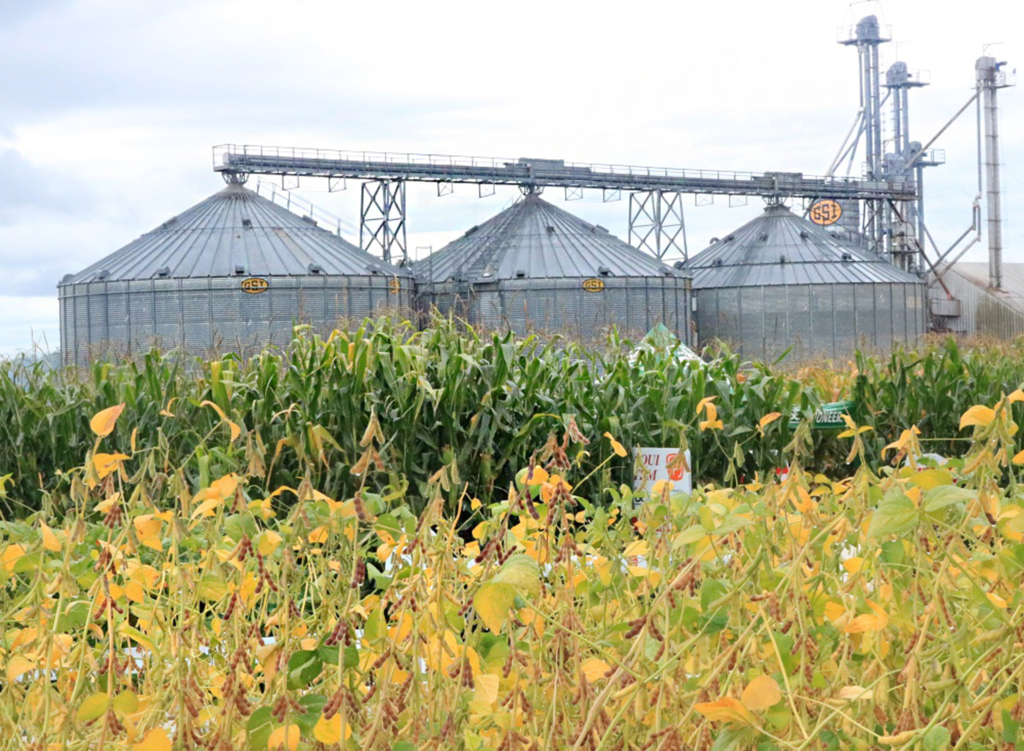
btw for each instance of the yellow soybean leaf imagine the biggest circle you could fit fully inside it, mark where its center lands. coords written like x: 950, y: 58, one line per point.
x: 155, y: 740
x: 769, y: 419
x: 1018, y: 458
x: 1016, y: 396
x: 147, y: 527
x: 106, y: 463
x: 206, y: 508
x: 93, y: 707
x: 872, y: 622
x: 492, y: 603
x: 617, y: 447
x: 704, y: 402
x: 595, y: 669
x: 835, y: 611
x: 329, y: 731
x: 284, y: 740
x: 853, y: 565
x: 102, y: 423
x: 728, y: 710
x: 268, y: 542
x: 761, y: 693
x: 639, y: 547
x: 996, y: 600
x: 235, y: 430
x: 126, y: 702
x: 977, y: 415
x: 486, y: 688
x: 105, y: 506
x: 50, y: 541
x: 134, y: 591
x: 18, y: 666
x: 11, y: 555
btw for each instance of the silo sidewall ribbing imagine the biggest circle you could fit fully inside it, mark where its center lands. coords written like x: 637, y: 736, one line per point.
x: 208, y: 317
x: 813, y: 321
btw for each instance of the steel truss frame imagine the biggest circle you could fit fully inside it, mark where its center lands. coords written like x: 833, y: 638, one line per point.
x: 656, y: 223
x: 382, y: 218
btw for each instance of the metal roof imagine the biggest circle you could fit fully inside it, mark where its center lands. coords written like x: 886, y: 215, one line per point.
x: 1012, y: 291
x: 533, y: 239
x: 779, y: 248
x: 235, y: 232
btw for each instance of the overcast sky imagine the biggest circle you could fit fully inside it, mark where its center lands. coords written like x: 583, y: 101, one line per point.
x: 109, y: 108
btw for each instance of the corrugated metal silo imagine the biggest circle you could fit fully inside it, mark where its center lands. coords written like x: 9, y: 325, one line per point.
x: 232, y: 273
x: 780, y: 281
x: 536, y: 268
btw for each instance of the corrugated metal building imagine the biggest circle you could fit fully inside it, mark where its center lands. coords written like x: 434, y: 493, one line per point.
x: 536, y: 268
x: 976, y: 308
x: 232, y: 273
x: 781, y: 282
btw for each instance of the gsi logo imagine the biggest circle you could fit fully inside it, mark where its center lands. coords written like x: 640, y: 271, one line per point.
x: 254, y: 285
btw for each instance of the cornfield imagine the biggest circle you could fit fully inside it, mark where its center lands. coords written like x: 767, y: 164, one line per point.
x: 474, y: 407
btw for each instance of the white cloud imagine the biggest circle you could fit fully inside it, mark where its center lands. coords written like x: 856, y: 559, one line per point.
x: 108, y: 109
x: 36, y: 326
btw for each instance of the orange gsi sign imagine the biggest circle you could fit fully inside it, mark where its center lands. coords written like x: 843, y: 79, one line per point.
x: 825, y: 212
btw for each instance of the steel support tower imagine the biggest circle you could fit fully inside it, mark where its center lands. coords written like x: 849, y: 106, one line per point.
x: 905, y: 238
x: 866, y: 36
x: 991, y: 78
x: 382, y: 218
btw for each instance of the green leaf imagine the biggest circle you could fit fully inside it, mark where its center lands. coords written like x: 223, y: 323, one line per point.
x: 212, y: 588
x: 522, y: 573
x: 303, y: 667
x: 689, y: 536
x: 126, y: 702
x: 329, y: 655
x: 929, y: 479
x: 351, y: 657
x: 404, y: 746
x: 936, y: 739
x: 28, y: 563
x: 731, y: 524
x: 314, y: 706
x: 375, y: 626
x: 895, y: 515
x: 492, y: 602
x: 732, y: 739
x: 93, y: 707
x: 74, y: 618
x: 259, y: 728
x: 946, y: 495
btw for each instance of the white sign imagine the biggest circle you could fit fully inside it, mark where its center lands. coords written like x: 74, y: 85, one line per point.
x: 652, y: 465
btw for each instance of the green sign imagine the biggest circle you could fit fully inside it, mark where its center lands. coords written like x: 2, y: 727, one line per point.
x: 826, y: 417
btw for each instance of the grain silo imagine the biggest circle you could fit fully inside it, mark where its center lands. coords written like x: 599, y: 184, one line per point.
x: 233, y: 273
x: 780, y: 281
x: 535, y: 268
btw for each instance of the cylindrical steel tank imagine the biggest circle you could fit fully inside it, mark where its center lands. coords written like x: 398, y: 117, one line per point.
x: 782, y: 283
x: 535, y: 268
x: 235, y: 273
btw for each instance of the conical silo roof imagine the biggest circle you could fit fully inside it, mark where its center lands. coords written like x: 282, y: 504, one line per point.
x: 235, y: 231
x: 781, y: 248
x: 532, y: 239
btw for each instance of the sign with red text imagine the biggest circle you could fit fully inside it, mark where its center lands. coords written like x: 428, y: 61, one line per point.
x: 654, y: 464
